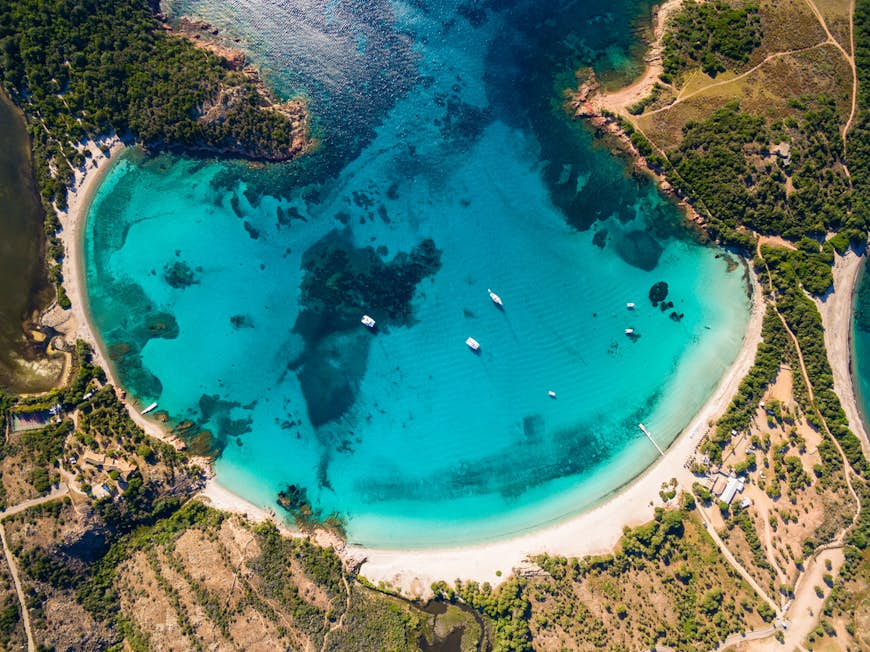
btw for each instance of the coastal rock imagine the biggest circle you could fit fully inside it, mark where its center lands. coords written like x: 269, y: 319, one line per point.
x: 203, y: 35
x: 585, y: 110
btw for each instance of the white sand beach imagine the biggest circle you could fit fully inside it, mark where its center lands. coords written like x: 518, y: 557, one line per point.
x: 75, y: 323
x: 592, y: 532
x: 836, y: 309
x: 413, y: 571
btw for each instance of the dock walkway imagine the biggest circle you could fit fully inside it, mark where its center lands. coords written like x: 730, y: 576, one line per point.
x: 649, y: 436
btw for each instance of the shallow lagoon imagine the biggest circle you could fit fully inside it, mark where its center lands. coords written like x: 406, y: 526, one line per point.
x: 233, y: 295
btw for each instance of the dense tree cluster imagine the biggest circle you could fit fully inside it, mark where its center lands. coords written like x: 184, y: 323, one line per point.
x: 710, y: 35
x: 508, y: 607
x: 743, y: 406
x: 805, y: 321
x: 784, y: 178
x: 858, y: 153
x: 82, y: 68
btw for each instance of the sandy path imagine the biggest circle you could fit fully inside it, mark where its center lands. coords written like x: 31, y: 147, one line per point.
x: 731, y: 559
x: 57, y: 491
x: 13, y: 570
x: 850, y: 59
x: 802, y: 616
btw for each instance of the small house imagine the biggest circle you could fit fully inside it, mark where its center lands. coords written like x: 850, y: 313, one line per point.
x: 94, y: 459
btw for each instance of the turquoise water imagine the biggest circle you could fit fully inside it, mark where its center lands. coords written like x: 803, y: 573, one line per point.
x: 232, y: 294
x: 861, y: 342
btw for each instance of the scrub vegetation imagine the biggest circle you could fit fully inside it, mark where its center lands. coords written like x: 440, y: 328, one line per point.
x: 114, y: 550
x: 714, y: 36
x: 666, y: 585
x: 752, y: 134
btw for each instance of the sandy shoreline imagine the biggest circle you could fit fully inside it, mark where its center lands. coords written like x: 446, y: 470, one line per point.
x: 836, y: 309
x: 619, y: 100
x: 75, y: 323
x: 592, y: 532
x: 413, y: 571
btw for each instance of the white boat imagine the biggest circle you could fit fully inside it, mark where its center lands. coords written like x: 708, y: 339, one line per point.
x: 551, y: 394
x: 368, y: 321
x: 495, y: 298
x: 149, y: 408
x: 473, y: 344
x: 630, y: 306
x: 629, y: 331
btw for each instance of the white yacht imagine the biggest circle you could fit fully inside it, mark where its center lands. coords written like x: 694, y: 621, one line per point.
x: 630, y: 306
x: 495, y: 298
x: 629, y: 331
x: 551, y: 394
x: 473, y: 344
x: 368, y: 321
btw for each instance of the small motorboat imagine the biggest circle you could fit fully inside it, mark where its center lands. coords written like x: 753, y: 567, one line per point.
x: 551, y: 394
x: 629, y: 331
x: 629, y: 306
x: 367, y: 321
x: 473, y: 344
x: 495, y: 298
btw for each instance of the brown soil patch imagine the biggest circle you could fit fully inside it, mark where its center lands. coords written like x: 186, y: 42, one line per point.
x: 202, y: 559
x: 144, y: 601
x: 252, y: 631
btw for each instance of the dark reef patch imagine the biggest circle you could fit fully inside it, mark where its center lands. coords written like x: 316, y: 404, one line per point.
x: 600, y: 238
x: 570, y: 451
x: 639, y: 249
x: 179, y: 275
x: 658, y: 293
x: 462, y: 123
x: 473, y: 12
x: 128, y: 358
x: 237, y: 206
x: 328, y: 391
x: 211, y: 405
x: 218, y: 412
x: 342, y: 283
x: 156, y: 324
x: 346, y: 282
x: 241, y: 321
x: 533, y: 427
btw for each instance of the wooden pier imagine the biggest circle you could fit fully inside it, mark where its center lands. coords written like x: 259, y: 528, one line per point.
x: 649, y: 436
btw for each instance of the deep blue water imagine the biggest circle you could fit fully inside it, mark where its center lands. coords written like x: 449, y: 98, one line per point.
x: 232, y: 294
